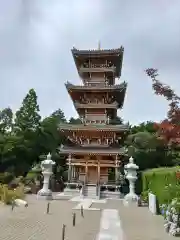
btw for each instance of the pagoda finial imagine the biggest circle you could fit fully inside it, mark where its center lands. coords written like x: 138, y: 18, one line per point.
x: 99, y: 45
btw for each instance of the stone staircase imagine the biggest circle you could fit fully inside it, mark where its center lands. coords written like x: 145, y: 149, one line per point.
x: 90, y: 191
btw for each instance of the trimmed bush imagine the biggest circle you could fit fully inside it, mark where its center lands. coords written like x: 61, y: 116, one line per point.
x: 158, y: 181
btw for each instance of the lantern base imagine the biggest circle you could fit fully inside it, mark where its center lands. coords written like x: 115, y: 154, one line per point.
x: 131, y: 197
x: 44, y: 195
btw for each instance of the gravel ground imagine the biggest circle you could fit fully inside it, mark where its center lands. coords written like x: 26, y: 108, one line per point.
x: 33, y: 223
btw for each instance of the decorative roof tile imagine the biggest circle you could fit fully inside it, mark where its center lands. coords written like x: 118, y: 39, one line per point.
x: 80, y: 127
x: 91, y: 150
x: 97, y: 51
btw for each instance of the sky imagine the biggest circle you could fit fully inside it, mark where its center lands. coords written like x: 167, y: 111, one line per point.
x: 36, y: 37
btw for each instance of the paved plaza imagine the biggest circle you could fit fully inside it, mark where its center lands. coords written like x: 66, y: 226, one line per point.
x: 109, y: 220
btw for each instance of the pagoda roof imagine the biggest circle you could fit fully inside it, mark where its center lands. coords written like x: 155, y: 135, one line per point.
x: 92, y: 150
x: 101, y: 88
x: 115, y: 55
x: 94, y: 127
x: 113, y: 51
x: 119, y: 90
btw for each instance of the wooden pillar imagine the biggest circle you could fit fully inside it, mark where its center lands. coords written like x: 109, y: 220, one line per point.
x: 86, y: 173
x: 99, y: 171
x: 73, y: 172
x: 116, y: 169
x: 69, y: 168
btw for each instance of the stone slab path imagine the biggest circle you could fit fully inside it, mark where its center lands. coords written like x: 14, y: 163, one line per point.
x: 110, y: 226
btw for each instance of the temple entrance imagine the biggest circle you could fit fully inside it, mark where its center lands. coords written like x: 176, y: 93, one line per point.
x: 111, y: 175
x: 92, y: 175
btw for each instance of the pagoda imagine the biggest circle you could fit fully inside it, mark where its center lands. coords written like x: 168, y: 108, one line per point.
x: 94, y: 150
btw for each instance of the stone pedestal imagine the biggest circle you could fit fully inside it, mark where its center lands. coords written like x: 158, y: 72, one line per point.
x: 131, y: 176
x: 46, y: 166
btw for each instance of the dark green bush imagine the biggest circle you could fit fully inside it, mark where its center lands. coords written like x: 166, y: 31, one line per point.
x: 161, y: 182
x: 6, y: 177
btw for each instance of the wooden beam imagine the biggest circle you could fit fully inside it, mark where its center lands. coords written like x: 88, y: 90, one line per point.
x: 92, y: 165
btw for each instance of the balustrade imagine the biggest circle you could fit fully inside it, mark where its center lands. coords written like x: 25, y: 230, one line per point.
x: 96, y: 102
x: 98, y: 65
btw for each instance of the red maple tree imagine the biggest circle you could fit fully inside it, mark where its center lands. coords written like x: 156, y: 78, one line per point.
x: 169, y: 128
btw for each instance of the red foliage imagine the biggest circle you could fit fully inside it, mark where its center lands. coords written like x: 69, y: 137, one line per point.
x: 169, y: 129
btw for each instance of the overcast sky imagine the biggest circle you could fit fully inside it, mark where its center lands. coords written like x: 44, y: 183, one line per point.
x: 36, y: 37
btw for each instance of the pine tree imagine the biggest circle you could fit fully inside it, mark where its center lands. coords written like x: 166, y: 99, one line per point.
x: 27, y: 117
x: 6, y: 120
x: 59, y: 115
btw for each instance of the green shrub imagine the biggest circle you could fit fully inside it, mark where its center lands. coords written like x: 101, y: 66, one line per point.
x: 144, y: 196
x: 162, y: 182
x: 6, y: 178
x: 32, y: 175
x: 8, y: 195
x: 16, y: 182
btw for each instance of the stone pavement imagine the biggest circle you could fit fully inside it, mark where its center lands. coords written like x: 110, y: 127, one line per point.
x: 122, y: 223
x: 137, y: 222
x: 33, y: 223
x: 110, y: 227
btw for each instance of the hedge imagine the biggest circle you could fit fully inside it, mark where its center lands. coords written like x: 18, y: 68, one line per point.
x: 156, y: 180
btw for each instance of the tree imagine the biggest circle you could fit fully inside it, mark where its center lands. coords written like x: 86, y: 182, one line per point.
x: 142, y: 140
x: 148, y: 150
x: 27, y: 117
x: 144, y: 127
x: 6, y: 120
x: 75, y: 120
x: 169, y: 128
x: 116, y: 121
x: 50, y: 139
x: 59, y: 115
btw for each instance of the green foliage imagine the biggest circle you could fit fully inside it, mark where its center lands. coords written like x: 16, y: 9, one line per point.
x: 8, y: 195
x: 27, y: 117
x: 75, y: 120
x: 30, y: 138
x: 144, y: 195
x: 143, y: 141
x: 144, y: 127
x: 6, y: 120
x: 59, y: 116
x: 162, y: 182
x: 6, y: 178
x: 148, y: 150
x: 116, y: 121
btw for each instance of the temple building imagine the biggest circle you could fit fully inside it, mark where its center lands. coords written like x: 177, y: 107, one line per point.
x: 95, y: 147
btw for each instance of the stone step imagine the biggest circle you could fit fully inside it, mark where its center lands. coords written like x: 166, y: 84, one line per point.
x: 90, y: 192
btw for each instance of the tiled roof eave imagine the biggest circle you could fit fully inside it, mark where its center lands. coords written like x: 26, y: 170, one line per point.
x: 90, y: 151
x: 118, y: 87
x: 74, y: 127
x: 98, y: 51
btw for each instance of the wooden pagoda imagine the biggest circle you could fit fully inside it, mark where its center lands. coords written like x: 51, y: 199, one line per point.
x: 95, y: 145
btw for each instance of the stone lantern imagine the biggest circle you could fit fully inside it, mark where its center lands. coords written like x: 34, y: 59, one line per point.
x: 131, y: 175
x: 46, y: 167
